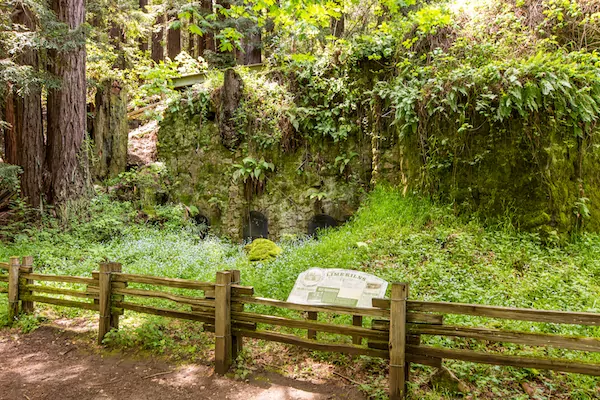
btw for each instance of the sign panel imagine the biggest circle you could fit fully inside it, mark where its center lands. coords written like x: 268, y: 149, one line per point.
x: 339, y: 287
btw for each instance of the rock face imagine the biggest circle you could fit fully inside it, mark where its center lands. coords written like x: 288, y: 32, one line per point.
x: 262, y: 250
x: 142, y: 145
x: 305, y: 182
x: 318, y: 173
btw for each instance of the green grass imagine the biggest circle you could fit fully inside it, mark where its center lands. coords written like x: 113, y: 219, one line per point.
x: 409, y: 239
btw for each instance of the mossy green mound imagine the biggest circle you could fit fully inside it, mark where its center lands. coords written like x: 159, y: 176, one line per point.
x: 262, y: 249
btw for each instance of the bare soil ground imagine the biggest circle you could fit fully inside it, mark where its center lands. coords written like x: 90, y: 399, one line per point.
x: 57, y: 362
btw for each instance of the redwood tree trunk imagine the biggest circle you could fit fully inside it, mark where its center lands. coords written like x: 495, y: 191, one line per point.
x: 192, y: 37
x: 201, y: 44
x: 143, y: 41
x: 209, y: 37
x: 110, y: 130
x: 2, y: 130
x: 253, y: 46
x: 338, y: 26
x: 158, y: 53
x: 173, y: 42
x: 116, y: 36
x: 68, y: 176
x: 28, y: 126
x: 10, y: 139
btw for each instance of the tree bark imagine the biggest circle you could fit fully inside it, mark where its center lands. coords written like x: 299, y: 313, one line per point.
x: 173, y: 42
x: 201, y: 44
x: 252, y: 50
x: 110, y: 131
x: 116, y: 36
x: 10, y: 139
x: 231, y: 94
x: 191, y: 44
x: 207, y: 41
x: 68, y: 173
x: 158, y: 53
x: 143, y: 41
x: 3, y: 129
x: 28, y: 126
x: 255, y: 53
x: 338, y: 26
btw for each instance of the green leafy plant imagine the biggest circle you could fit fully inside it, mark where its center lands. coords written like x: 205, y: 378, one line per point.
x: 252, y: 170
x: 229, y: 39
x: 240, y: 367
x: 317, y: 194
x: 253, y: 174
x: 375, y: 390
x: 431, y: 19
x: 28, y: 323
x: 9, y: 177
x: 581, y: 208
x: 342, y: 161
x: 118, y: 338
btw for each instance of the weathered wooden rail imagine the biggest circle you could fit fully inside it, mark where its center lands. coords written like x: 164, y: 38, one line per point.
x: 397, y: 324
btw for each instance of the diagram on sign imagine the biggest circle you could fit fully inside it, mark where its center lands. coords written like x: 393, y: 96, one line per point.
x: 340, y: 287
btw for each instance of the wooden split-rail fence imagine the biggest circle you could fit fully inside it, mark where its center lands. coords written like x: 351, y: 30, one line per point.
x: 395, y: 331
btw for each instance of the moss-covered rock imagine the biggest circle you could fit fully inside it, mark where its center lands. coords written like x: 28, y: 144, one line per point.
x: 262, y: 250
x: 306, y: 181
x: 537, y: 176
x: 445, y: 380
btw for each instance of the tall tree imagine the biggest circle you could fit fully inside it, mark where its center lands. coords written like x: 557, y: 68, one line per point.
x: 110, y: 130
x: 116, y: 35
x: 10, y: 139
x: 192, y: 38
x: 27, y: 123
x: 68, y: 175
x: 173, y: 41
x: 208, y: 43
x: 158, y: 51
x: 251, y: 49
x: 109, y: 126
x: 338, y: 26
x: 143, y: 41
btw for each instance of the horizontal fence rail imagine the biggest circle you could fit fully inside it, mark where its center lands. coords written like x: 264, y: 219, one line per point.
x: 508, y: 360
x: 521, y: 314
x: 169, y: 282
x: 367, y: 312
x: 397, y: 324
x: 516, y: 337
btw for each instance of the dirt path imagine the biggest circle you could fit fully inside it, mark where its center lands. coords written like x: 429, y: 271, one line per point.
x: 51, y: 363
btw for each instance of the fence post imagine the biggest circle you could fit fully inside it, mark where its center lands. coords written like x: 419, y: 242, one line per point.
x: 237, y: 343
x: 312, y: 316
x: 357, y: 320
x: 13, y: 288
x: 27, y: 266
x: 398, y: 365
x: 223, y: 322
x: 105, y: 294
x: 114, y: 317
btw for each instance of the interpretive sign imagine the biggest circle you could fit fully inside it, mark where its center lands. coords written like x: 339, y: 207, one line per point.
x: 340, y: 287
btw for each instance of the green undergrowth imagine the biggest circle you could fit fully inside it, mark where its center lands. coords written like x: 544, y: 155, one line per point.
x: 398, y: 238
